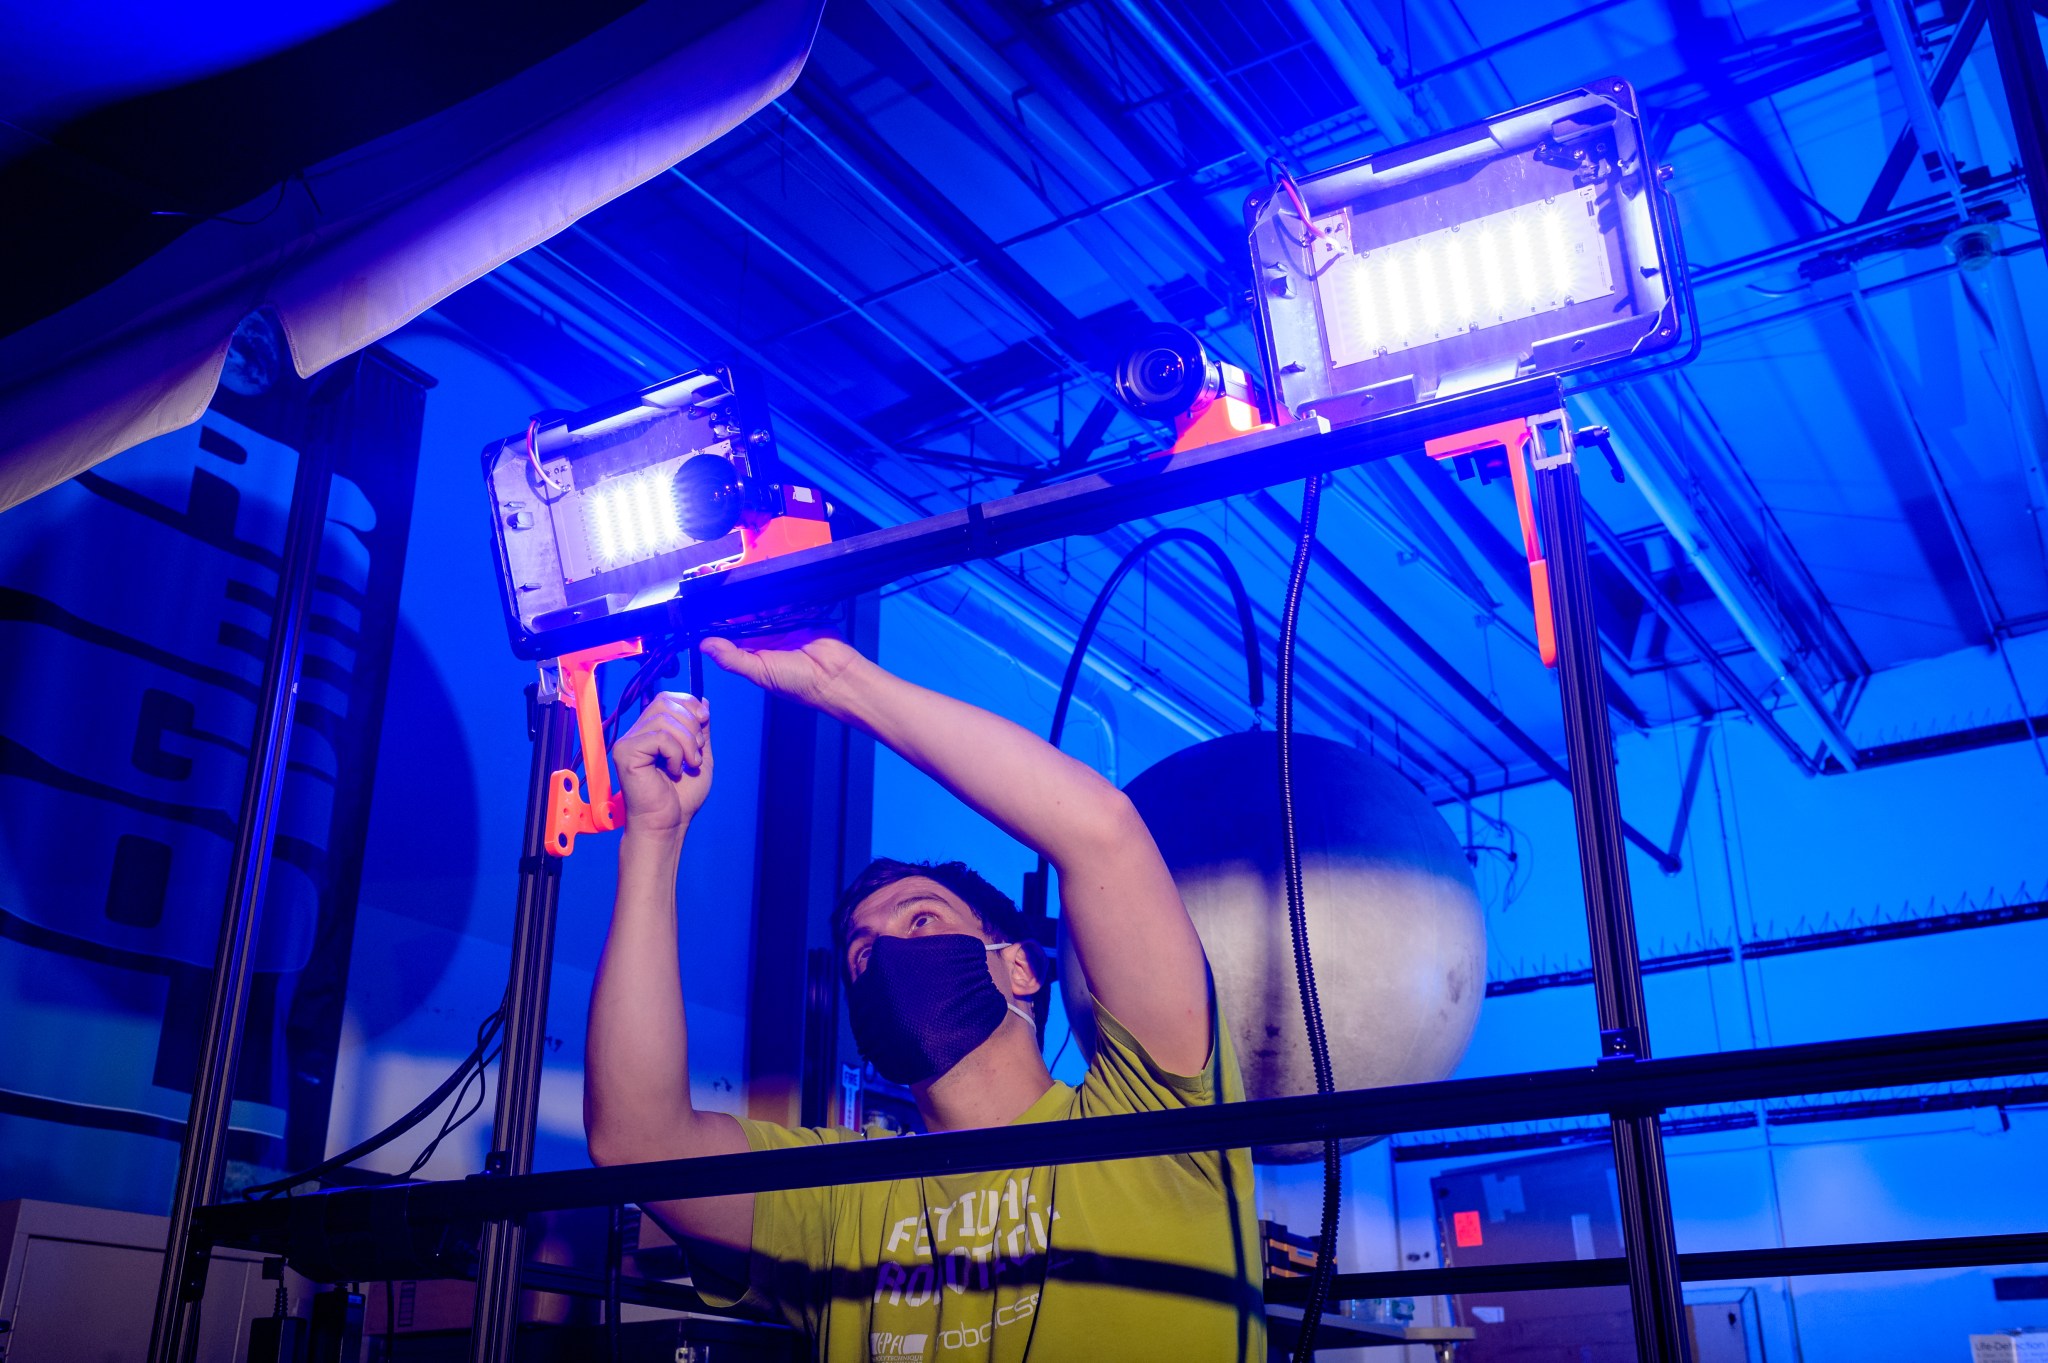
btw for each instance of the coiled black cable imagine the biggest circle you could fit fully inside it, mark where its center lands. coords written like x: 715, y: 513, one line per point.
x: 1297, y: 920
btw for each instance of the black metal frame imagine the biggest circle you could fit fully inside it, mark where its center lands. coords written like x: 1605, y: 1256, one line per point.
x: 1626, y: 1084
x: 202, y: 1158
x: 1630, y: 1087
x: 1649, y: 1240
x: 502, y: 1249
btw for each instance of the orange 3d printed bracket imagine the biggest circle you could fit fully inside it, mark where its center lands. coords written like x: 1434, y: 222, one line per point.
x: 569, y: 813
x: 1533, y: 442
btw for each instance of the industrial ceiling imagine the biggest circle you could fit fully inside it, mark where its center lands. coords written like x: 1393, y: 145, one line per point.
x: 933, y: 243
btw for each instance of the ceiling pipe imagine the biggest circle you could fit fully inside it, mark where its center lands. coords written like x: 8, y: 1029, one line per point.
x: 1997, y: 189
x: 983, y: 81
x: 1333, y: 29
x: 1975, y: 247
x: 2017, y: 56
x: 1669, y: 611
x: 1027, y: 439
x: 1204, y: 93
x: 1894, y: 25
x: 1669, y: 506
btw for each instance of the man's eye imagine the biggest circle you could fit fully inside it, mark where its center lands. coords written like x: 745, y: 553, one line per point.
x: 919, y: 920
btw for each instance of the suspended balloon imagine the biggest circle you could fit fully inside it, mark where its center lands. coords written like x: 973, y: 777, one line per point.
x: 1395, y: 927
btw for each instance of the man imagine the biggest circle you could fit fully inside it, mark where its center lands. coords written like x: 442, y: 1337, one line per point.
x: 1134, y: 1259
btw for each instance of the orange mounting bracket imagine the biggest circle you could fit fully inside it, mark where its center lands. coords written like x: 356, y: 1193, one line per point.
x: 1532, y: 442
x: 568, y: 812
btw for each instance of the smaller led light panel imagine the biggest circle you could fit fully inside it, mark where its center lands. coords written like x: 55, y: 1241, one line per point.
x: 630, y: 518
x: 1536, y: 242
x: 599, y: 515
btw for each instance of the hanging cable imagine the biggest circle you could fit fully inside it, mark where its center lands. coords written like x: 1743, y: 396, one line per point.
x: 1255, y: 682
x: 1297, y: 920
x: 471, y: 1065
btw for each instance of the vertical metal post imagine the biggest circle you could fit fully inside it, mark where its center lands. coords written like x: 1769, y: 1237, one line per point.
x: 1651, y: 1245
x: 502, y: 1250
x: 174, y: 1330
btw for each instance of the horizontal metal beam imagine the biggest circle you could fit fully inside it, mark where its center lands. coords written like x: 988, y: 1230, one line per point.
x: 1639, y: 1087
x: 1825, y: 938
x: 1798, y: 1261
x: 1940, y: 208
x: 1941, y: 745
x: 1081, y: 506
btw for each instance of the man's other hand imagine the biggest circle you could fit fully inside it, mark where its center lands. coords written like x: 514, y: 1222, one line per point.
x: 664, y: 763
x: 806, y: 665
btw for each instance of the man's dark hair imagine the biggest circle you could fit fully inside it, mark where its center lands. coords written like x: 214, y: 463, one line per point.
x: 1000, y: 917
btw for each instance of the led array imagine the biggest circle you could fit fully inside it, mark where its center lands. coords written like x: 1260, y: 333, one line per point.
x: 1520, y: 262
x: 630, y: 518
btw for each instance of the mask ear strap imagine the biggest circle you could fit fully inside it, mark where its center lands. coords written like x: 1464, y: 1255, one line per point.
x: 1015, y: 1007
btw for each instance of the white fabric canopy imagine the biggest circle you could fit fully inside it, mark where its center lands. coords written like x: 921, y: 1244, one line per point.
x: 399, y: 224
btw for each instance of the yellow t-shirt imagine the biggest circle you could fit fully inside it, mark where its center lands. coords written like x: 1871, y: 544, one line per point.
x: 1139, y: 1259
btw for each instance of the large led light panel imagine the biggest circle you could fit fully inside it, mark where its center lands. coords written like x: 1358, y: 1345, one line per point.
x: 1534, y: 243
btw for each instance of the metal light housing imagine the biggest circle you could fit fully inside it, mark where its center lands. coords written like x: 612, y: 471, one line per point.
x: 599, y: 516
x: 1536, y: 242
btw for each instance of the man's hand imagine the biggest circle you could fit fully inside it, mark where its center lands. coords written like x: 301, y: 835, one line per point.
x: 807, y: 665
x: 665, y: 763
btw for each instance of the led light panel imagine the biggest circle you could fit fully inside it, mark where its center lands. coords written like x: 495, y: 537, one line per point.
x: 1537, y: 242
x: 632, y: 518
x: 1498, y: 268
x: 592, y: 526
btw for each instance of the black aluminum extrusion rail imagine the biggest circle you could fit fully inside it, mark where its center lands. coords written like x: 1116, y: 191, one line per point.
x: 1079, y: 506
x: 1630, y: 1087
x: 1793, y: 1261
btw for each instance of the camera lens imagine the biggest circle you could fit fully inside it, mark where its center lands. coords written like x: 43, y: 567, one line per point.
x: 1159, y: 375
x: 1162, y: 373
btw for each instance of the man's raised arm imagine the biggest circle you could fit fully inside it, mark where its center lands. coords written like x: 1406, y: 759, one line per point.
x: 636, y: 1079
x: 1140, y: 952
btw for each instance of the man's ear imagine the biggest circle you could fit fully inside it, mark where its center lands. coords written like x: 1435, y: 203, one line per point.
x: 1027, y: 970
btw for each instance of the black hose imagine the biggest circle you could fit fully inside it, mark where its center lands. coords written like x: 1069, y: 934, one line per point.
x: 1297, y: 921
x: 1255, y: 680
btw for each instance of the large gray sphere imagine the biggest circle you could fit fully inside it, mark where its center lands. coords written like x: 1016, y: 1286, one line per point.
x: 1395, y: 927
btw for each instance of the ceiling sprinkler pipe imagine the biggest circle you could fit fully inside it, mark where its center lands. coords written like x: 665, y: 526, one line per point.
x: 1205, y: 94
x: 1680, y: 525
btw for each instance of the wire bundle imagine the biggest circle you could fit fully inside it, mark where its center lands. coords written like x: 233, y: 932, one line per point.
x: 472, y: 1068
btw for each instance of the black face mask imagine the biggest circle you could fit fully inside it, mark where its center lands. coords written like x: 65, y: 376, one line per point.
x: 923, y: 1003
